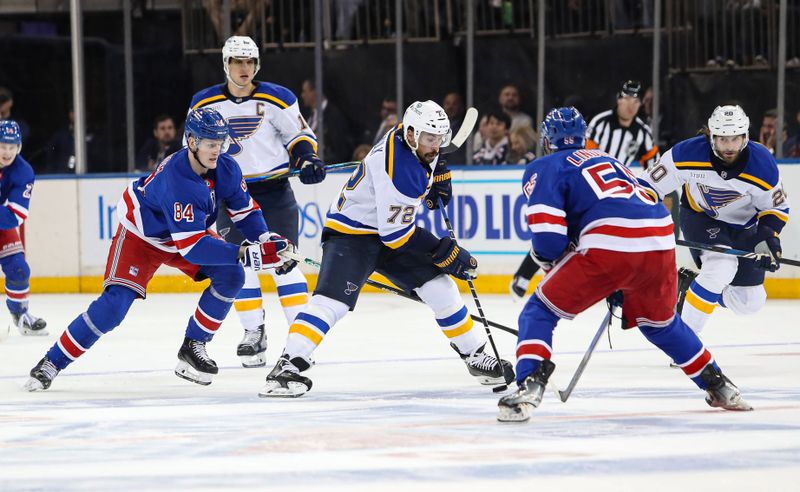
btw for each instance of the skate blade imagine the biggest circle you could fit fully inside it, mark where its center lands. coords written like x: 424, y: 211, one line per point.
x: 489, y: 381
x: 739, y: 405
x: 273, y: 389
x: 518, y: 413
x: 32, y: 385
x: 30, y: 332
x: 187, y: 372
x: 251, y: 361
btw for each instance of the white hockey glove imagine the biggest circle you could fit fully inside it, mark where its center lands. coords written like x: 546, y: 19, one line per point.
x: 267, y: 254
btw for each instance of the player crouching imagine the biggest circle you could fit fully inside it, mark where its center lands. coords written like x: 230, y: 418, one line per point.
x: 623, y: 241
x: 164, y: 220
x: 371, y: 227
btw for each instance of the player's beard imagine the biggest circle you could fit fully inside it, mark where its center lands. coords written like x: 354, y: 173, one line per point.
x: 430, y: 156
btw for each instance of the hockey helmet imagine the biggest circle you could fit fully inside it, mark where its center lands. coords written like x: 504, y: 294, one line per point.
x: 240, y: 47
x: 208, y: 124
x: 10, y: 132
x: 728, y: 121
x: 632, y: 88
x: 563, y: 128
x: 428, y: 117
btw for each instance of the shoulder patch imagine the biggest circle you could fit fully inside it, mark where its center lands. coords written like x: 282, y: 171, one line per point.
x: 404, y: 169
x: 762, y: 169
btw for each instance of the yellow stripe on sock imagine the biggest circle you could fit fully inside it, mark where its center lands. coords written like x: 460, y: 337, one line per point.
x: 306, y: 332
x: 294, y: 300
x: 249, y: 305
x: 459, y: 330
x: 698, y: 303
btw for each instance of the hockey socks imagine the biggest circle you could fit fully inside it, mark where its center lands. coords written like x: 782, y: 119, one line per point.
x: 311, y: 325
x: 103, y: 315
x: 680, y: 343
x: 18, y: 275
x: 248, y: 302
x: 292, y: 293
x: 216, y: 301
x: 535, y: 341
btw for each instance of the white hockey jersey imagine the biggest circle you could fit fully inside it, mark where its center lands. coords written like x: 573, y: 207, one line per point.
x: 384, y: 193
x: 742, y: 195
x: 265, y: 125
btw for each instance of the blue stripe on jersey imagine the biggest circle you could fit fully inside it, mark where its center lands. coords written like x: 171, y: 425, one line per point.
x: 704, y: 293
x: 348, y: 221
x: 313, y: 320
x: 453, y: 318
x: 249, y: 294
x: 391, y: 237
x: 287, y: 290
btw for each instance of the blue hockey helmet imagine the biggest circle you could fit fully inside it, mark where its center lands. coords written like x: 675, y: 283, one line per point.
x: 563, y: 128
x: 207, y: 124
x: 10, y: 132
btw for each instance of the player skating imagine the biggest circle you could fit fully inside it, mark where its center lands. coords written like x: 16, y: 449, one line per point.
x: 597, y: 231
x: 16, y: 186
x: 371, y: 227
x: 732, y: 197
x: 268, y: 134
x: 164, y: 220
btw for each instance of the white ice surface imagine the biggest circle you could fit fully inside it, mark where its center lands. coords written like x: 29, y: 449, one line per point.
x: 393, y: 408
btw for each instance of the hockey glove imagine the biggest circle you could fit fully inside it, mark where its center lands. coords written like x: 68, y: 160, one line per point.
x: 454, y: 260
x: 312, y: 169
x: 768, y: 246
x: 268, y: 255
x: 441, y: 187
x: 544, y: 264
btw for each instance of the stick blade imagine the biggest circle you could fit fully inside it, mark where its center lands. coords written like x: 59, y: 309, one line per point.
x: 470, y: 118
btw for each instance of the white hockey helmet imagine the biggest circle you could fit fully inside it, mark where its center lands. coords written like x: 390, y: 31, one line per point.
x: 728, y: 121
x: 428, y: 117
x: 241, y: 47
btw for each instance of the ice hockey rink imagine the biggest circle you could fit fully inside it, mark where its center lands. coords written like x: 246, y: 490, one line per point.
x: 393, y: 408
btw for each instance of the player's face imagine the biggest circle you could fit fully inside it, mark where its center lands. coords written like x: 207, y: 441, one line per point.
x: 728, y: 147
x: 7, y: 153
x: 428, y: 147
x: 241, y: 70
x: 628, y: 106
x: 208, y: 151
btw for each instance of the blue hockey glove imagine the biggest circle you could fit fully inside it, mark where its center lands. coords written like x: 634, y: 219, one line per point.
x: 312, y: 169
x: 441, y: 187
x: 768, y: 245
x: 453, y: 260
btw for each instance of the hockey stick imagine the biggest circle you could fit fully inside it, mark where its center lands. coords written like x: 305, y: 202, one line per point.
x: 470, y: 118
x: 729, y: 251
x: 450, y: 231
x: 563, y: 395
x: 393, y: 290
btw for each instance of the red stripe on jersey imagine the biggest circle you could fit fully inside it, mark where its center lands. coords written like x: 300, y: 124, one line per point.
x: 17, y: 212
x: 543, y: 218
x: 533, y: 349
x: 129, y: 203
x: 205, y: 321
x: 698, y: 364
x: 67, y: 344
x: 17, y: 296
x: 633, y: 232
x: 245, y: 211
x: 189, y: 241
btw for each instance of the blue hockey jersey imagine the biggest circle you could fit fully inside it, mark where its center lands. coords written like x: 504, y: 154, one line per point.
x: 16, y: 186
x: 173, y: 208
x: 590, y: 200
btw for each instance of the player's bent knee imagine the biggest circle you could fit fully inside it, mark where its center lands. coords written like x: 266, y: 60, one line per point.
x: 332, y: 309
x: 718, y: 270
x: 440, y: 294
x: 536, y: 310
x: 111, y: 308
x: 745, y: 300
x: 228, y: 280
x: 16, y: 268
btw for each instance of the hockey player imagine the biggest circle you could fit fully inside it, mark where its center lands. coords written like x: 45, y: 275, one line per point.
x: 164, y: 220
x: 267, y: 134
x: 596, y: 232
x: 732, y: 197
x: 371, y: 227
x: 16, y: 186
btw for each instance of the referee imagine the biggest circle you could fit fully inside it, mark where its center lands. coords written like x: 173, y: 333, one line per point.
x: 622, y: 134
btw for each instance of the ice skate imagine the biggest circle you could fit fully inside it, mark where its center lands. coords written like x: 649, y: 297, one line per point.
x: 518, y: 287
x: 485, y: 367
x: 685, y: 278
x: 194, y: 364
x: 28, y: 324
x: 285, y: 381
x: 722, y: 393
x: 42, y: 375
x: 252, y: 350
x: 518, y: 406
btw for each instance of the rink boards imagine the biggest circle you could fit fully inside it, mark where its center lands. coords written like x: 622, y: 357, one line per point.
x: 72, y: 221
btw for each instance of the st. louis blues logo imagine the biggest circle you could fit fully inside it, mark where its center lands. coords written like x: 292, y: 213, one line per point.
x: 716, y: 198
x: 242, y: 128
x: 351, y: 287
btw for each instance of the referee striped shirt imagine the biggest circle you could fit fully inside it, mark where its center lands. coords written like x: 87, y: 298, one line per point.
x: 627, y: 145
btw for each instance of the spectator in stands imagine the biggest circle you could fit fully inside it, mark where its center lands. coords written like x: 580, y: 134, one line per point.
x: 60, y: 148
x: 160, y: 145
x: 337, y: 138
x: 522, y: 145
x: 768, y: 135
x: 6, y: 103
x: 244, y: 15
x: 511, y: 102
x: 388, y: 118
x: 494, y: 149
x: 453, y: 105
